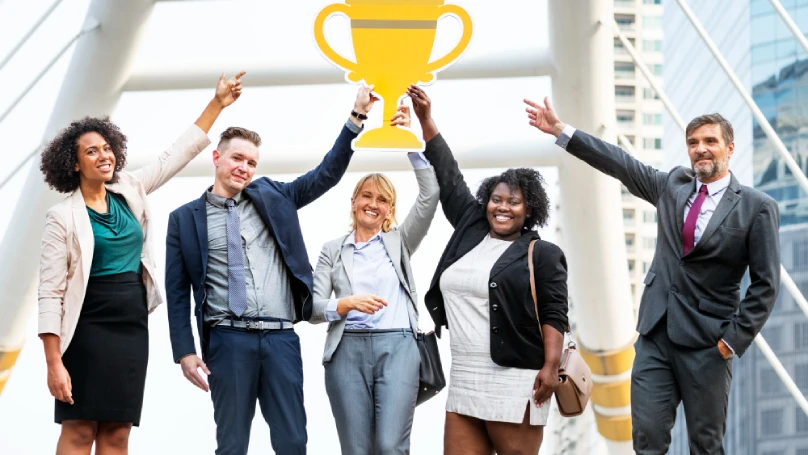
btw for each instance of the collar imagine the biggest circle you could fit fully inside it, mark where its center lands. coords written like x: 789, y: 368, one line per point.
x: 351, y: 239
x: 717, y: 186
x: 220, y: 201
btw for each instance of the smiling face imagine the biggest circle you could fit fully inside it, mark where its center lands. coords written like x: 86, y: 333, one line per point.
x: 506, y: 212
x: 96, y: 160
x: 709, y: 152
x: 235, y: 166
x: 373, y: 205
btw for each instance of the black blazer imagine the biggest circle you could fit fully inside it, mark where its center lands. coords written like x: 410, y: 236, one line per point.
x: 515, y: 337
x: 277, y: 203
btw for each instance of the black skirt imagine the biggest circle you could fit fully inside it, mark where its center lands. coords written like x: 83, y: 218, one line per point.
x: 107, y: 357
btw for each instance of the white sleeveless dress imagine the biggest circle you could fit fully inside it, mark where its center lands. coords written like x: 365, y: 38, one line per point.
x: 478, y: 387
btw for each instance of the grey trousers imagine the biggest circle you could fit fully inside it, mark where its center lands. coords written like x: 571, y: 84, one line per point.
x: 372, y: 383
x: 666, y: 374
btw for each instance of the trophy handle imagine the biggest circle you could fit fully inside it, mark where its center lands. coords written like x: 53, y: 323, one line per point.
x: 461, y: 45
x: 322, y: 44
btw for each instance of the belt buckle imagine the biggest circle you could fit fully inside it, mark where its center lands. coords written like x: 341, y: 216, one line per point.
x: 255, y: 325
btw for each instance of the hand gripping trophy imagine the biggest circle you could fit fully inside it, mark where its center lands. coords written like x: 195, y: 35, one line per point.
x: 392, y: 41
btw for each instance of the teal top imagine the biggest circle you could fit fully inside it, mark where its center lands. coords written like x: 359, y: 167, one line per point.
x: 118, y: 238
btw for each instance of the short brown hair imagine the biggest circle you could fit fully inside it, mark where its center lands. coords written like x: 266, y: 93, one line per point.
x: 234, y: 132
x: 712, y: 119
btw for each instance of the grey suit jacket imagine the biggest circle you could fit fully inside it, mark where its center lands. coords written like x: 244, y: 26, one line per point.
x: 700, y: 291
x: 335, y: 265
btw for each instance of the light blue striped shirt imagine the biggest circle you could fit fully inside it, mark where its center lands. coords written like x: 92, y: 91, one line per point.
x: 373, y: 273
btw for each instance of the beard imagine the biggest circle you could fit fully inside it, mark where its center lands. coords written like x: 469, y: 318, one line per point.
x: 711, y: 170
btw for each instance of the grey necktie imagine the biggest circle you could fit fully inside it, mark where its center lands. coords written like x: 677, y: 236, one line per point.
x: 236, y: 284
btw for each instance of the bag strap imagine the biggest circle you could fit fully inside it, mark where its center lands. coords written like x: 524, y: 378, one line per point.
x: 533, y: 282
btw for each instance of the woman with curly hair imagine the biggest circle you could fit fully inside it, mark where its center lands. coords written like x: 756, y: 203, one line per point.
x: 504, y: 366
x: 97, y: 279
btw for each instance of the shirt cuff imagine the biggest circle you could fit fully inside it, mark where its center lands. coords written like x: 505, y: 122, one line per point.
x: 418, y: 160
x: 730, y: 347
x: 565, y: 136
x: 353, y: 127
x: 331, y: 309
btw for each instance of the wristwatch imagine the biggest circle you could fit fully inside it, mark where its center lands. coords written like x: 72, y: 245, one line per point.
x: 359, y: 116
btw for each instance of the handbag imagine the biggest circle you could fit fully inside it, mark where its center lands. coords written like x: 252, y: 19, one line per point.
x: 574, y: 375
x: 430, y: 374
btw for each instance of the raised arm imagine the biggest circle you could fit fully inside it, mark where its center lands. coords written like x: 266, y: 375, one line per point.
x: 455, y: 196
x: 416, y: 225
x: 764, y: 272
x: 313, y: 184
x: 193, y: 140
x: 641, y: 180
x: 418, y: 220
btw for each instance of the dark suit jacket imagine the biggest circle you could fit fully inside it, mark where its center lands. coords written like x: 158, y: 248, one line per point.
x: 700, y: 291
x: 277, y: 203
x: 515, y: 337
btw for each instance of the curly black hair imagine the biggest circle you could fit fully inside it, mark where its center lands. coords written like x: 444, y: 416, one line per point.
x: 531, y: 182
x: 60, y: 156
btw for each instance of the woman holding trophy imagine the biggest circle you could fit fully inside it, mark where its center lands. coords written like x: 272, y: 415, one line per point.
x: 504, y: 365
x: 371, y: 359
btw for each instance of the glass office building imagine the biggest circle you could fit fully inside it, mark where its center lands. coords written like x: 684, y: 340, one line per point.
x: 764, y: 418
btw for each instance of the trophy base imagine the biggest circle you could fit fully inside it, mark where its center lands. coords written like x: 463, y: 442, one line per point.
x: 389, y: 138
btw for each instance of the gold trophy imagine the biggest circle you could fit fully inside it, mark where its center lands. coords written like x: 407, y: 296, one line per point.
x: 392, y: 41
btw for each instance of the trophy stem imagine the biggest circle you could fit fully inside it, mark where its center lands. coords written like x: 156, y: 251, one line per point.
x: 388, y: 137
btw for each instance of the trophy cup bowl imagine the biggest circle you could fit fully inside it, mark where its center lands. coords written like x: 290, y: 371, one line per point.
x: 392, y: 41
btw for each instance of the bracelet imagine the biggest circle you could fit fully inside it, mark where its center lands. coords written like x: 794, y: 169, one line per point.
x: 359, y: 116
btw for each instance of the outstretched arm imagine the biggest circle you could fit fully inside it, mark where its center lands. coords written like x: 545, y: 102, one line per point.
x: 641, y: 180
x: 193, y: 140
x: 455, y: 196
x: 313, y: 184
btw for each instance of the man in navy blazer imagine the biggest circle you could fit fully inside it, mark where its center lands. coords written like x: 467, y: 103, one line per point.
x: 240, y: 249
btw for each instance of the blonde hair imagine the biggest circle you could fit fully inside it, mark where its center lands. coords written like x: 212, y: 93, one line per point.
x: 386, y: 188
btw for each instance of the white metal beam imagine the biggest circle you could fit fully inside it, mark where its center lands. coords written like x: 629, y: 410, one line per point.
x: 516, y: 154
x: 30, y: 33
x: 790, y: 23
x: 515, y: 63
x: 761, y: 119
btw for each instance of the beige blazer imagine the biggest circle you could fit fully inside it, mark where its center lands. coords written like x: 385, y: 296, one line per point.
x: 68, y: 242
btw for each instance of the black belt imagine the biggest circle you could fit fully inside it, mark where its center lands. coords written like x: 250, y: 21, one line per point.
x: 257, y: 325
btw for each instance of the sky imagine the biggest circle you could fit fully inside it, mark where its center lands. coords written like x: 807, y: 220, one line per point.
x: 296, y: 123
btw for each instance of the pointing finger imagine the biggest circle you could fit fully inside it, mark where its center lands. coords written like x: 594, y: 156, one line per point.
x: 532, y: 103
x: 239, y: 75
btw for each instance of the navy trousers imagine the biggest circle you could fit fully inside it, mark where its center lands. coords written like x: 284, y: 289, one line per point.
x: 260, y: 365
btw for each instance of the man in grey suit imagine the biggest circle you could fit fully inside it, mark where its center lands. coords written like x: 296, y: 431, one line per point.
x: 692, y: 319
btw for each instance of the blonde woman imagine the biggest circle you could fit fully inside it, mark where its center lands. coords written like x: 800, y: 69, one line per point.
x: 371, y: 359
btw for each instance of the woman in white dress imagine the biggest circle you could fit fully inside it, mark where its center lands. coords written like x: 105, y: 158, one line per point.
x: 504, y: 364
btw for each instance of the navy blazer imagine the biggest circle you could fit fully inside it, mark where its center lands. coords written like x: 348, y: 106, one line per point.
x: 277, y: 204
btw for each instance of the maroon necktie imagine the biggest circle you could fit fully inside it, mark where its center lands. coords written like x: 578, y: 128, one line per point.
x: 689, y: 231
